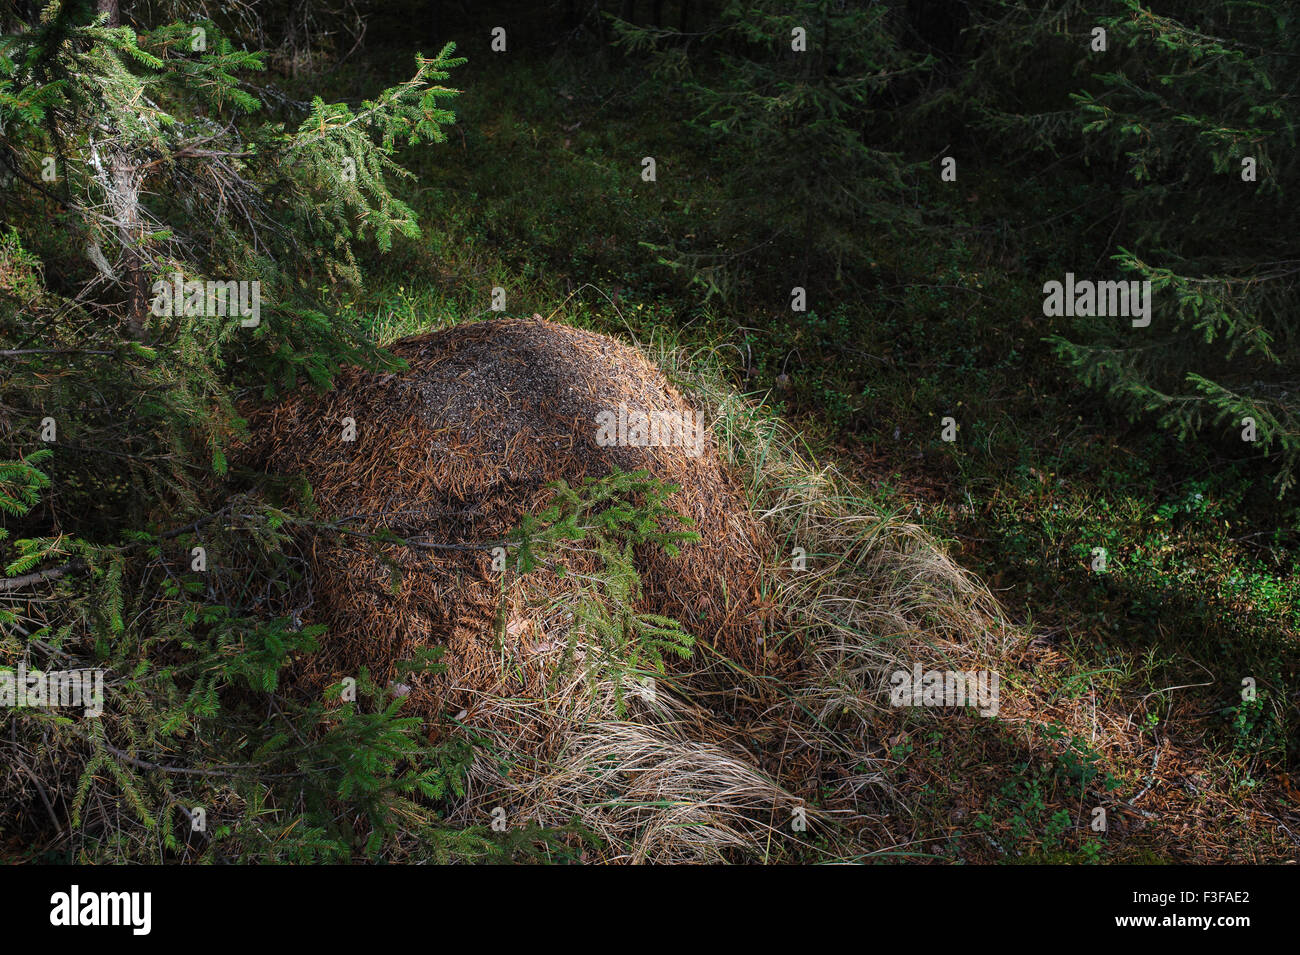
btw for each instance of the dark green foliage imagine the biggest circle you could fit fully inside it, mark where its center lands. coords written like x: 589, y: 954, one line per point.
x: 796, y: 138
x: 610, y: 517
x: 1163, y: 120
x: 127, y: 158
x: 193, y: 190
x: 825, y: 163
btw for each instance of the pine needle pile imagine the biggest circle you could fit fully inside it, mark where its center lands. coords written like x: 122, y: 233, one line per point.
x: 452, y: 456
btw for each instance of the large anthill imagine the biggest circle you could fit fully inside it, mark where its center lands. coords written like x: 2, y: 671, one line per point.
x: 455, y: 450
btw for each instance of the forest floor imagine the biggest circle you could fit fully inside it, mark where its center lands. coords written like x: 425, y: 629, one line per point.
x: 537, y: 191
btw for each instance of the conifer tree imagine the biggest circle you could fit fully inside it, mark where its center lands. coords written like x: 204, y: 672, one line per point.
x: 1187, y: 123
x: 136, y: 162
x: 790, y: 97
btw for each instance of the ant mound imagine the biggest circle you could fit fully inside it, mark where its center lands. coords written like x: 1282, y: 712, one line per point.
x: 509, y: 446
x: 450, y: 456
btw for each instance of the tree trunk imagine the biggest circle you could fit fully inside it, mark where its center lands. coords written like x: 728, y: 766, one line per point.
x: 112, y: 8
x: 125, y: 200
